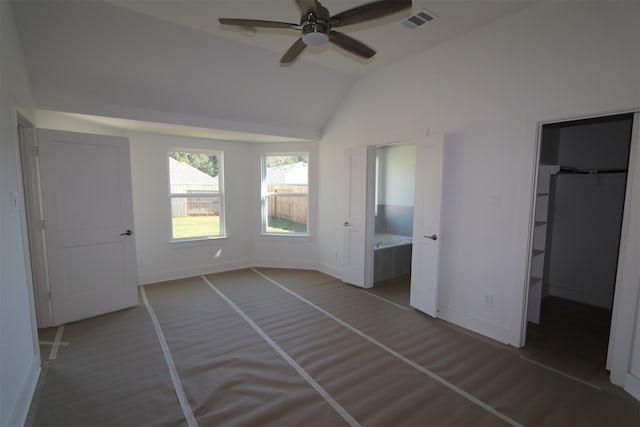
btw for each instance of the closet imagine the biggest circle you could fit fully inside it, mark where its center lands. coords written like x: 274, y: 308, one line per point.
x: 578, y: 211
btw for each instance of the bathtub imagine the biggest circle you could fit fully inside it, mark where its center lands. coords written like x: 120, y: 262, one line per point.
x: 391, y: 256
x: 390, y: 240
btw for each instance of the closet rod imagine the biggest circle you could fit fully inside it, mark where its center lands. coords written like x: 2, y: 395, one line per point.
x: 570, y: 170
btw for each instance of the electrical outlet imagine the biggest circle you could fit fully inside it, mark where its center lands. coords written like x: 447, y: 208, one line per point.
x: 488, y: 299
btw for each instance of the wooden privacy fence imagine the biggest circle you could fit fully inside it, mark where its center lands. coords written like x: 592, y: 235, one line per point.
x: 287, y: 206
x: 195, y: 205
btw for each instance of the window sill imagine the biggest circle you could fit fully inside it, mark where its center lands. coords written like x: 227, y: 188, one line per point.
x: 290, y: 237
x: 199, y: 241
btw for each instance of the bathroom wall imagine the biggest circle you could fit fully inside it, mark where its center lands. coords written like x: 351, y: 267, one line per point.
x: 395, y: 189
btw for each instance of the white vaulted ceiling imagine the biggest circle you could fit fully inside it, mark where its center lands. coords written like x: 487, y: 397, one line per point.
x: 170, y: 61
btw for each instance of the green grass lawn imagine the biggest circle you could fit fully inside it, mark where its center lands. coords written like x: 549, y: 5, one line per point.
x: 185, y: 227
x: 279, y: 225
x: 195, y: 226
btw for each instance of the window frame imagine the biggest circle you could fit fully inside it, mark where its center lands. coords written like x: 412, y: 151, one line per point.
x: 214, y: 195
x: 264, y: 195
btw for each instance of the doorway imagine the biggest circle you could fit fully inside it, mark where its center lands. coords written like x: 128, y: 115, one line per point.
x: 579, y: 205
x: 359, y: 225
x: 393, y: 219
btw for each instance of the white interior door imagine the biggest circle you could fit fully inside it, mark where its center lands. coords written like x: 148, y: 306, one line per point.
x: 357, y: 253
x: 426, y: 224
x: 88, y: 214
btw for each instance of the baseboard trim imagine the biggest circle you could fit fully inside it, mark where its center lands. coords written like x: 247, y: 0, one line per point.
x: 331, y: 271
x: 145, y: 279
x: 279, y: 263
x: 632, y: 386
x: 480, y: 326
x: 20, y: 410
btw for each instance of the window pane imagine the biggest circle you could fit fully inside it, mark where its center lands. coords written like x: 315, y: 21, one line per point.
x: 286, y: 186
x: 193, y: 171
x: 195, y: 217
x: 287, y: 214
x: 291, y: 170
x: 196, y: 194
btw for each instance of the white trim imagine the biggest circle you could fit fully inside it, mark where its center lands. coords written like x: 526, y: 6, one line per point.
x: 20, y: 410
x: 182, y: 273
x: 220, y: 194
x: 173, y: 372
x: 532, y: 124
x: 264, y: 195
x: 399, y: 356
x: 317, y: 387
x: 283, y: 263
x: 632, y: 386
x: 497, y: 332
x: 626, y: 301
x: 330, y: 271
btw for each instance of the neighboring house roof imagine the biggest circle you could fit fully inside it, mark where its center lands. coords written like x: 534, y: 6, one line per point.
x: 293, y: 173
x: 185, y: 174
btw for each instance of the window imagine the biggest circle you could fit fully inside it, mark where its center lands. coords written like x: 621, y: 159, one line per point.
x: 197, y: 203
x: 285, y: 194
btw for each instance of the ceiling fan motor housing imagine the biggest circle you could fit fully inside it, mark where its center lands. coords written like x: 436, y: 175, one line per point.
x: 315, y: 33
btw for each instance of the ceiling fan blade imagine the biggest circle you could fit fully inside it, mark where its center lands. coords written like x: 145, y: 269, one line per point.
x: 293, y: 52
x: 258, y: 23
x: 350, y: 44
x: 369, y: 11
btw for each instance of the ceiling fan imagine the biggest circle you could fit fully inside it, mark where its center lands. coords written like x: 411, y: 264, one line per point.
x: 316, y: 25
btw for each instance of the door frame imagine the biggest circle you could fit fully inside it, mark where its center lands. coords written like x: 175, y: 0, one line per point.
x: 627, y: 290
x: 28, y: 150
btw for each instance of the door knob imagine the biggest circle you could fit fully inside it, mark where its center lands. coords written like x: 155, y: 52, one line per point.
x: 346, y: 224
x: 127, y: 233
x: 432, y: 237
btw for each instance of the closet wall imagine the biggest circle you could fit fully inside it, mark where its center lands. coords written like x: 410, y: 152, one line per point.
x: 586, y: 208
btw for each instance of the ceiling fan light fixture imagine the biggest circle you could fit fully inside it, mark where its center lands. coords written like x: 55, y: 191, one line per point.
x: 315, y: 39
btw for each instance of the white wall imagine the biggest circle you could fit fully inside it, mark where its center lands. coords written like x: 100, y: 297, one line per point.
x: 157, y: 258
x: 396, y: 183
x: 19, y: 353
x: 486, y: 91
x: 243, y: 247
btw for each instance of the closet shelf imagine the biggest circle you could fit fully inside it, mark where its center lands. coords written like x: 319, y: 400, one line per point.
x: 536, y: 252
x: 534, y: 279
x: 542, y: 194
x: 539, y: 223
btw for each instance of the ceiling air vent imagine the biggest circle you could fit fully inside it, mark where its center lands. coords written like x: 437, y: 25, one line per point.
x: 418, y: 19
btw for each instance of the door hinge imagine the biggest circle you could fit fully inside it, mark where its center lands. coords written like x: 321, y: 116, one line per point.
x: 48, y: 295
x: 43, y: 224
x: 36, y: 150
